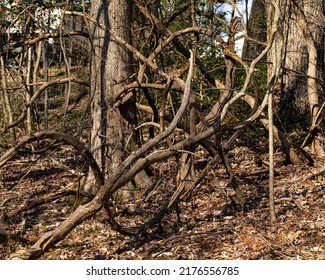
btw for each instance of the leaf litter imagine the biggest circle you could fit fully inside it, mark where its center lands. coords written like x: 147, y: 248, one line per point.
x: 207, y: 225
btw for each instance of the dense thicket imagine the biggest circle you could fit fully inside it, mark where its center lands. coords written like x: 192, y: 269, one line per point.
x: 130, y: 85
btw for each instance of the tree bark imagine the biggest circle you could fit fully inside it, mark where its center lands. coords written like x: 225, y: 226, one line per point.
x: 6, y: 104
x: 111, y: 68
x: 300, y: 44
x: 313, y: 70
x: 256, y: 29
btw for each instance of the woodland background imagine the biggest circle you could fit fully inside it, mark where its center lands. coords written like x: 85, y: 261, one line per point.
x: 138, y: 129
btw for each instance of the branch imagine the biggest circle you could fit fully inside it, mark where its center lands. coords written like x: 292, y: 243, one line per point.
x: 42, y: 37
x: 124, y: 173
x: 37, y: 94
x: 80, y: 147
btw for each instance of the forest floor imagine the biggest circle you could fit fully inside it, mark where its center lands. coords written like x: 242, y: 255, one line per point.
x: 210, y: 224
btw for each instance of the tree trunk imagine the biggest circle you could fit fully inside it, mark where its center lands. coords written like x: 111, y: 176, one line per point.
x: 29, y: 87
x: 315, y: 66
x: 6, y: 103
x: 256, y: 29
x: 300, y: 44
x: 296, y: 54
x: 111, y: 66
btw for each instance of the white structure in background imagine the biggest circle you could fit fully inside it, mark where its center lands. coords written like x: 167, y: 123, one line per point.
x: 50, y: 19
x: 240, y: 39
x: 13, y: 30
x: 243, y: 12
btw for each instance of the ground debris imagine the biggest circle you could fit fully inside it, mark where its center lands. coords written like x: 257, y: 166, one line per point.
x: 209, y: 224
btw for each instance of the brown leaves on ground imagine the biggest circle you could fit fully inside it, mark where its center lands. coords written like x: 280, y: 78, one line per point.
x: 209, y: 225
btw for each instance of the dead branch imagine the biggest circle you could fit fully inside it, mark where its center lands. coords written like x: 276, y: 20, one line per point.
x: 128, y: 169
x: 80, y: 147
x: 42, y: 37
x: 37, y: 94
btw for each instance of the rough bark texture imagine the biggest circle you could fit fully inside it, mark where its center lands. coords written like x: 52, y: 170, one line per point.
x: 313, y: 70
x: 299, y: 48
x: 110, y: 69
x: 295, y: 61
x: 256, y: 29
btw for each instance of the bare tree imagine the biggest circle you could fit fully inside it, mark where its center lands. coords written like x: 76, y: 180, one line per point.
x: 111, y: 69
